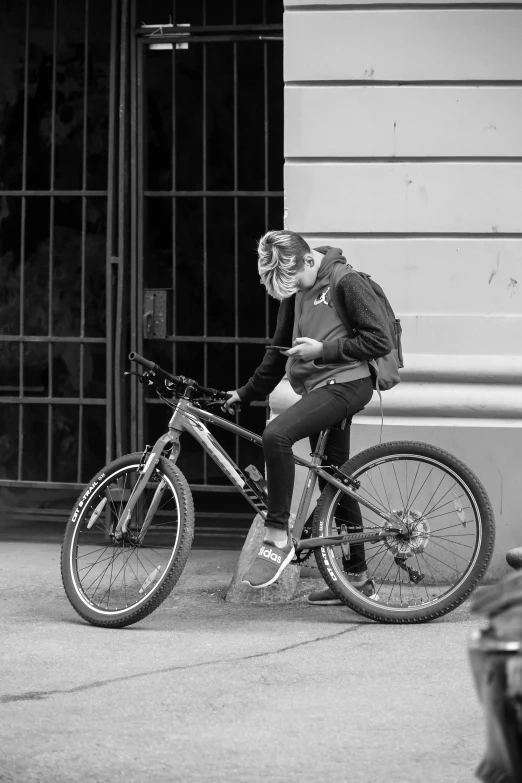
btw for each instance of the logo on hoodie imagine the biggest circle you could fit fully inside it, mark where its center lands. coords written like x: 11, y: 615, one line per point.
x: 324, y: 298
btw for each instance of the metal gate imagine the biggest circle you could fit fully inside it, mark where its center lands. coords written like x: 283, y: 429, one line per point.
x: 59, y: 166
x: 207, y: 169
x: 138, y: 166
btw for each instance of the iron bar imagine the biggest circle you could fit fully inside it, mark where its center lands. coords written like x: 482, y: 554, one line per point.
x: 122, y: 226
x: 236, y: 249
x: 21, y: 291
x: 110, y: 244
x: 51, y: 245
x: 175, y: 31
x: 84, y: 232
x: 265, y: 150
x: 214, y: 193
x: 50, y: 400
x: 173, y: 204
x: 137, y: 298
x: 52, y: 192
x: 72, y: 485
x: 205, y: 259
x: 190, y: 38
x: 136, y: 234
x: 207, y: 339
x: 37, y: 338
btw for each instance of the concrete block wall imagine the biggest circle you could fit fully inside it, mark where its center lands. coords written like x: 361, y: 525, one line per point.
x: 403, y: 146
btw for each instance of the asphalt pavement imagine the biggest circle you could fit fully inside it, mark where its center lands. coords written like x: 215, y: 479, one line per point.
x: 205, y: 691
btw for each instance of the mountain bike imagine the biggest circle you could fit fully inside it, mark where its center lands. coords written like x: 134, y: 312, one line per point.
x: 421, y: 516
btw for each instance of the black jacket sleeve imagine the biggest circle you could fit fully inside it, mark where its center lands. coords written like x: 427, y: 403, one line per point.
x: 272, y: 368
x: 369, y: 337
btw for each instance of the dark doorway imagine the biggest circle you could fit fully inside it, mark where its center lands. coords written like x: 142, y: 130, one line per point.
x: 208, y: 149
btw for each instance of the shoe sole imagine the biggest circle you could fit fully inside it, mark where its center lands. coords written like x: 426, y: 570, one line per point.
x: 337, y: 601
x: 277, y: 574
x: 328, y: 602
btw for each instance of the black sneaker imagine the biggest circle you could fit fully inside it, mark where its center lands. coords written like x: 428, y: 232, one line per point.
x: 327, y: 597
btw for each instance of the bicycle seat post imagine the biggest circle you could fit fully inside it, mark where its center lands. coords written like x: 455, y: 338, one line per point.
x: 306, y: 497
x: 318, y: 453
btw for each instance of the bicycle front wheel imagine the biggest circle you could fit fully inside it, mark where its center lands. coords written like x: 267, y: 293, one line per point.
x: 114, y: 583
x: 446, y: 545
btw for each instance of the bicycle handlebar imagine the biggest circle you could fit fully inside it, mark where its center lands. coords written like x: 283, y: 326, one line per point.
x: 135, y: 357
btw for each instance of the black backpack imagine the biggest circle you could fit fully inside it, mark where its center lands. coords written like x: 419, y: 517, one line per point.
x: 385, y: 369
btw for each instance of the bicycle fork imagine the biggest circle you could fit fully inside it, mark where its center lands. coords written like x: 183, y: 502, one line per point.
x: 147, y: 471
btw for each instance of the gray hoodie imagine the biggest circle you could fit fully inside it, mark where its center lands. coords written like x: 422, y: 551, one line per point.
x: 347, y: 353
x: 316, y: 317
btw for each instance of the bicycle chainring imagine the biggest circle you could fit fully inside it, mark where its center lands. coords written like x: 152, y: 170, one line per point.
x: 305, y: 554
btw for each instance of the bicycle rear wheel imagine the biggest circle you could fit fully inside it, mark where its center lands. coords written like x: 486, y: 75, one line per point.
x: 116, y: 583
x: 444, y: 551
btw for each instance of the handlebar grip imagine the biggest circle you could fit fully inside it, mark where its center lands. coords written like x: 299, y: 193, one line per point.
x: 135, y: 357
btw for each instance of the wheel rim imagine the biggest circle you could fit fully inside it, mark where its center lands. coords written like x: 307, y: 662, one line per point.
x: 111, y: 577
x: 442, y: 543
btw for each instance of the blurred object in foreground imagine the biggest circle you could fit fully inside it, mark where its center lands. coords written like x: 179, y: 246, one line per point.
x: 514, y: 558
x: 496, y: 661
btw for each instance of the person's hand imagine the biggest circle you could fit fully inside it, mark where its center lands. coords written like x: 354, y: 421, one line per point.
x: 306, y: 348
x: 232, y: 402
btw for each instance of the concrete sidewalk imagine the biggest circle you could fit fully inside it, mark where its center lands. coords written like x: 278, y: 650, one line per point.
x: 205, y: 691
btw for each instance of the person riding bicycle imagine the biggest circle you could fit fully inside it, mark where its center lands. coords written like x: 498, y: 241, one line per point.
x: 326, y: 364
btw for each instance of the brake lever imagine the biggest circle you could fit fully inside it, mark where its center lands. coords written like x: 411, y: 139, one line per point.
x: 236, y: 408
x: 141, y: 378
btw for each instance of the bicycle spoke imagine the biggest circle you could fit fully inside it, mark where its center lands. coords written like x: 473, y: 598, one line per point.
x: 398, y: 485
x: 448, y: 503
x: 455, y: 554
x: 393, y: 584
x: 425, y: 554
x: 90, y: 567
x: 420, y: 570
x: 419, y: 490
x: 99, y: 579
x: 436, y: 508
x: 111, y: 582
x: 383, y: 506
x: 385, y: 491
x: 412, y: 486
x: 371, y: 524
x: 423, y: 513
x: 459, y: 543
x: 447, y: 513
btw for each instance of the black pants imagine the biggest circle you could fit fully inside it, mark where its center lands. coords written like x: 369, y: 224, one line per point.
x: 314, y: 412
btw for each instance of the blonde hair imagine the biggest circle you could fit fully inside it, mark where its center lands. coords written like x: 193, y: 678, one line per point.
x: 281, y: 254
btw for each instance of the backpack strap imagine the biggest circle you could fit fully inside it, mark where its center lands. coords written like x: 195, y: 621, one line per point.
x: 375, y: 366
x: 339, y: 272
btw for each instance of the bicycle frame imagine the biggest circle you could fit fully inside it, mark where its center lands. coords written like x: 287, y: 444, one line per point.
x: 189, y: 418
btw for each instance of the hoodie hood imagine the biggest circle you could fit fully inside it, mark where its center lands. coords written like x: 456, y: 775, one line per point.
x: 332, y: 256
